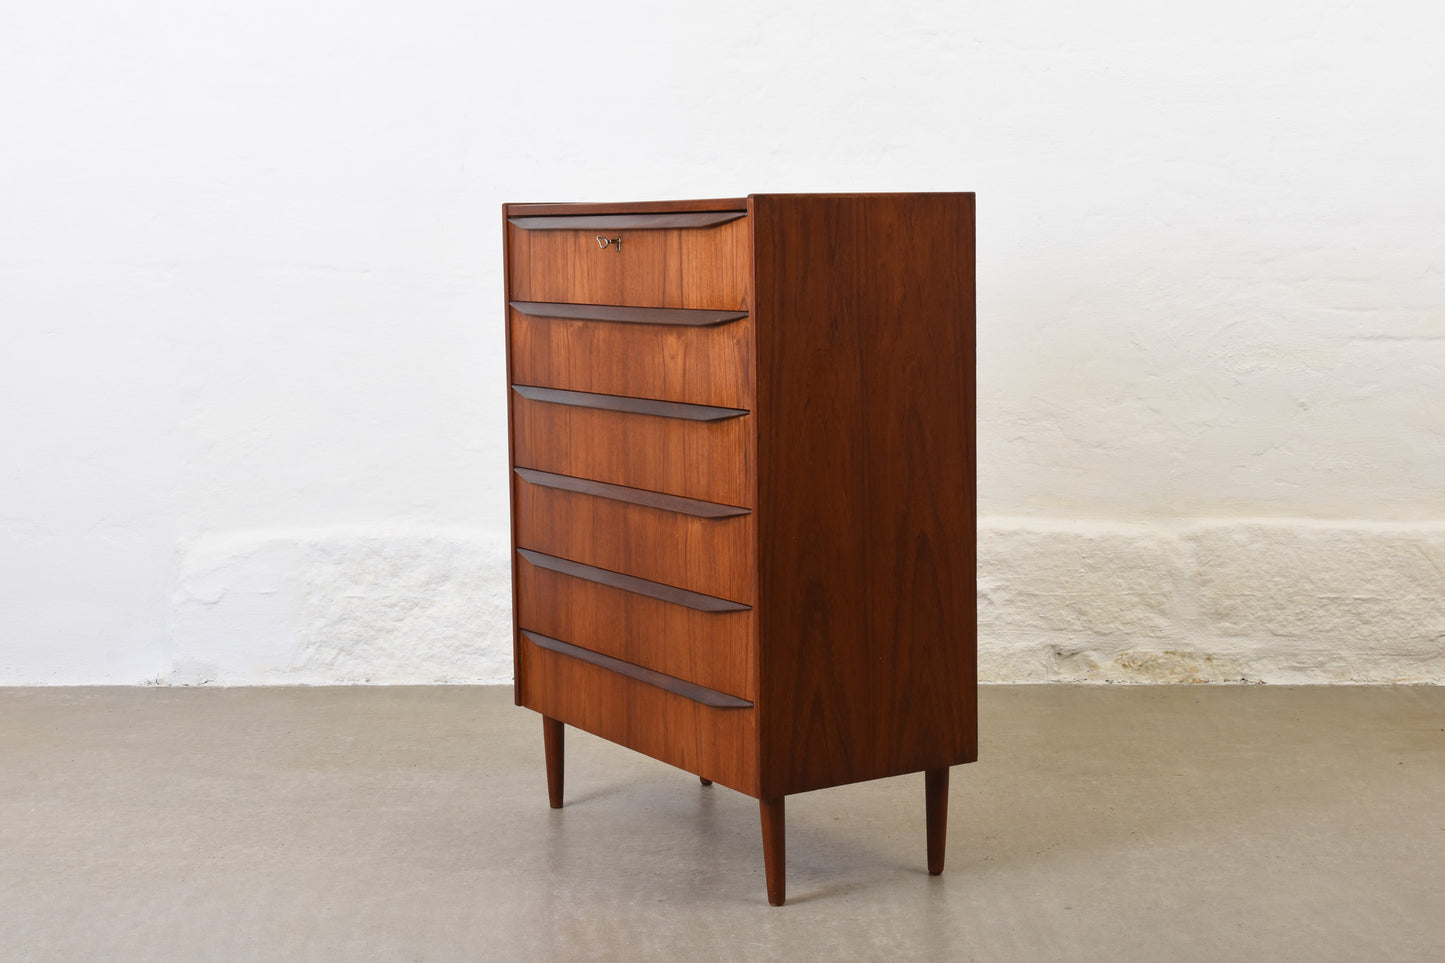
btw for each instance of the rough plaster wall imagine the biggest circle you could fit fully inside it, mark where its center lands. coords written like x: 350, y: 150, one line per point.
x: 251, y: 383
x: 339, y: 606
x: 1267, y: 600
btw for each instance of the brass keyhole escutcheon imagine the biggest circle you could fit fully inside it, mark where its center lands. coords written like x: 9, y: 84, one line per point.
x: 616, y: 242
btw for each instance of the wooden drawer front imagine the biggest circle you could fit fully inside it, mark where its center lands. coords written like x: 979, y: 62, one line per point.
x: 694, y: 545
x: 704, y: 357
x: 703, y: 264
x: 716, y: 743
x: 712, y: 649
x: 678, y: 455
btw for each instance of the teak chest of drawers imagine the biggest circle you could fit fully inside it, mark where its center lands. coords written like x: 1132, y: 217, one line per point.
x: 743, y: 510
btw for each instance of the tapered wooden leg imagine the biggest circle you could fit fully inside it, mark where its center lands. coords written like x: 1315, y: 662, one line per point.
x: 552, y: 744
x: 774, y: 850
x: 935, y: 791
x: 705, y: 782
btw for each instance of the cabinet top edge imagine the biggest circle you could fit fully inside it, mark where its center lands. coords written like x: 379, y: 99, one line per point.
x: 709, y: 204
x: 864, y: 195
x: 626, y: 207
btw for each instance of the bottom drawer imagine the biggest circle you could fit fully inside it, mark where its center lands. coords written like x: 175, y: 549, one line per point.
x: 713, y: 649
x: 715, y: 743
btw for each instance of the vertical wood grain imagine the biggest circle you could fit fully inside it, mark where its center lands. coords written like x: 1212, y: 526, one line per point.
x: 864, y: 318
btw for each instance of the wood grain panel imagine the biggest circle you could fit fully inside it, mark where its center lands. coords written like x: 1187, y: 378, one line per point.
x: 705, y: 460
x: 864, y: 317
x: 716, y: 744
x: 699, y: 365
x: 706, y: 267
x: 661, y: 680
x: 708, y: 555
x: 709, y: 648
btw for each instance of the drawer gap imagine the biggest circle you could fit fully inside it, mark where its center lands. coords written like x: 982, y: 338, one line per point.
x: 636, y: 406
x: 688, y: 690
x: 675, y: 317
x: 631, y: 583
x: 635, y: 496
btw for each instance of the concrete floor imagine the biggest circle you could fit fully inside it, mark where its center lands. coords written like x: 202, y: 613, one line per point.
x: 1102, y: 823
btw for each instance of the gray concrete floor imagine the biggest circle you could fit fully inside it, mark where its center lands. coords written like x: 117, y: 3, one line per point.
x: 1186, y: 823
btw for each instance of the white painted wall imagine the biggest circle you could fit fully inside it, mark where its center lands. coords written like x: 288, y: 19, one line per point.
x: 251, y: 383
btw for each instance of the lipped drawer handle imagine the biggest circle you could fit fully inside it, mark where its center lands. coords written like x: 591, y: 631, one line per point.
x: 616, y: 242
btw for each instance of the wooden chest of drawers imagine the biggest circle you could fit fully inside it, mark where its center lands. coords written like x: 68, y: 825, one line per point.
x: 742, y: 440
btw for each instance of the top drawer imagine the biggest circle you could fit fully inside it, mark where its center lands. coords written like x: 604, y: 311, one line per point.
x: 695, y: 259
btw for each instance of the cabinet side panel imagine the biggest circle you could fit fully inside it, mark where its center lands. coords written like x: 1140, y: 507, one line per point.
x: 864, y: 320
x: 517, y: 679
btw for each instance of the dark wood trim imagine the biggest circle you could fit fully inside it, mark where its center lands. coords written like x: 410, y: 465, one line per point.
x: 682, y: 317
x: 636, y: 406
x: 688, y: 690
x: 626, y: 222
x: 634, y: 496
x: 633, y: 584
x: 625, y: 207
